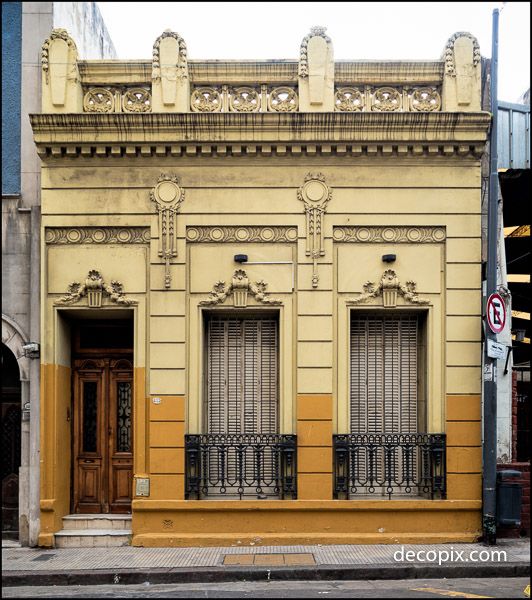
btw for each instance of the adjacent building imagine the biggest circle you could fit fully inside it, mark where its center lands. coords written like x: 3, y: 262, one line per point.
x: 514, y: 372
x: 24, y: 27
x: 260, y: 297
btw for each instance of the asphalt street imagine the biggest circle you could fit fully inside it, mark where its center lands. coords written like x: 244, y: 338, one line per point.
x: 411, y: 588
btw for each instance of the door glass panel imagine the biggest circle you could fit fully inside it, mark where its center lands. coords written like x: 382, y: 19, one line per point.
x: 123, y: 417
x: 90, y: 416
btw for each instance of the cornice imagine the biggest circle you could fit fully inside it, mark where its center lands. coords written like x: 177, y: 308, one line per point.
x: 222, y: 133
x: 274, y: 72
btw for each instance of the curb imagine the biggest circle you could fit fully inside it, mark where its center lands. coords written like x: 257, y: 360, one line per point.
x: 214, y: 574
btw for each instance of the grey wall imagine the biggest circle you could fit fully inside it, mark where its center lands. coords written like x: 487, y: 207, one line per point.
x: 86, y: 26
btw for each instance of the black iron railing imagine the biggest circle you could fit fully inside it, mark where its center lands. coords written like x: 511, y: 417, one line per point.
x: 389, y: 464
x: 240, y: 465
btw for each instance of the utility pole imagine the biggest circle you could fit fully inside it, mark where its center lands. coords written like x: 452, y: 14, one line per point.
x: 489, y: 447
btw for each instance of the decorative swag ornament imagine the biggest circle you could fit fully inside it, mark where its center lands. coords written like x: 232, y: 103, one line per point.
x: 389, y: 287
x: 239, y: 287
x: 94, y: 288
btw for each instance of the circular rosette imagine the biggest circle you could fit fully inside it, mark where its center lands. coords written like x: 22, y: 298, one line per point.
x: 98, y: 100
x: 206, y: 99
x: 136, y: 100
x: 386, y: 99
x: 167, y: 192
x: 349, y: 100
x: 426, y: 99
x: 283, y: 99
x: 244, y: 99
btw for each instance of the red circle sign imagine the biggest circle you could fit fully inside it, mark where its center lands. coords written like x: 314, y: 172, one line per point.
x: 496, y: 313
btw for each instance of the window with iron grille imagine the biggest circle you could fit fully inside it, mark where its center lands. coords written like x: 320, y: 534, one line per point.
x: 241, y: 404
x: 386, y: 401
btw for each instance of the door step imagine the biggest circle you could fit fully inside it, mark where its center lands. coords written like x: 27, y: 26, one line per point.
x: 94, y: 531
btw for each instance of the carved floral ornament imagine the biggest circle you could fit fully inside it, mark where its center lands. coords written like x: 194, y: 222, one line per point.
x: 182, y: 68
x: 104, y: 100
x: 349, y: 99
x: 315, y: 194
x: 95, y: 288
x: 239, y: 287
x: 389, y: 288
x: 448, y: 52
x: 168, y: 196
x: 57, y: 34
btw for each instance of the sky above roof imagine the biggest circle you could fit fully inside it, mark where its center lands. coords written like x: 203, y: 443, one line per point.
x: 359, y: 30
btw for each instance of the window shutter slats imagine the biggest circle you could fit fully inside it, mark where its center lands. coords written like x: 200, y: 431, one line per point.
x: 242, y: 375
x: 384, y: 374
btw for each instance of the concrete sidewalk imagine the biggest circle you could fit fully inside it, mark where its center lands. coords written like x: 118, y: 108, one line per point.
x: 128, y: 565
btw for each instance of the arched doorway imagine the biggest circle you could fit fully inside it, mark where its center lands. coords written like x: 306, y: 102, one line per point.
x: 11, y: 416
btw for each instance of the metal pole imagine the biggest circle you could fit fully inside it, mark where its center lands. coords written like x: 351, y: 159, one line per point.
x: 489, y: 448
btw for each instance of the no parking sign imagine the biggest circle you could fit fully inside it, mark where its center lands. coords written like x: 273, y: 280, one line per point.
x: 496, y: 313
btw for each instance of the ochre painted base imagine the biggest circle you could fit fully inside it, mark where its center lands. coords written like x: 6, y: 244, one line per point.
x: 265, y: 539
x: 221, y: 523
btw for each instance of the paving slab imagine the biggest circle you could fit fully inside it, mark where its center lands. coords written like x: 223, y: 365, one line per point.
x: 67, y: 566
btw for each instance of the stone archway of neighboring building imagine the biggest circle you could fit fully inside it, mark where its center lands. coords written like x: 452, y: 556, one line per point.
x: 15, y: 433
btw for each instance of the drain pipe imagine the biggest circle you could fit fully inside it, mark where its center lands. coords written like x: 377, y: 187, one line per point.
x: 489, y: 446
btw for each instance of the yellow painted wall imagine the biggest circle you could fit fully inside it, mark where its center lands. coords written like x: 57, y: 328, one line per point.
x: 241, y: 173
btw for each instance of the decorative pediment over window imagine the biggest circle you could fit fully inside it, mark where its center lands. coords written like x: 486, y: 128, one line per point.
x: 95, y: 288
x: 389, y: 288
x: 239, y: 287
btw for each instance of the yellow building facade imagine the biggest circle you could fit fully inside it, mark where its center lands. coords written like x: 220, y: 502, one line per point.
x: 261, y: 295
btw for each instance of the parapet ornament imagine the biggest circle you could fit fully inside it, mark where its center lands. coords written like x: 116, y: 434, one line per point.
x: 168, y: 196
x: 182, y: 68
x: 315, y: 194
x: 57, y: 33
x: 303, y: 54
x: 389, y: 287
x: 240, y: 287
x: 94, y: 288
x: 448, y: 52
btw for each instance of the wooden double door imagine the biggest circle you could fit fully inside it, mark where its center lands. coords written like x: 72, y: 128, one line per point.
x: 103, y: 435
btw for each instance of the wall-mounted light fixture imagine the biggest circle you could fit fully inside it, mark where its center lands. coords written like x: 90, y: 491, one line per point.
x: 31, y: 350
x: 243, y: 258
x: 388, y: 258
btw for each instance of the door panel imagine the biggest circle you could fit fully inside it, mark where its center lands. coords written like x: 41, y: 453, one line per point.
x: 121, y: 435
x: 103, y: 458
x: 89, y: 384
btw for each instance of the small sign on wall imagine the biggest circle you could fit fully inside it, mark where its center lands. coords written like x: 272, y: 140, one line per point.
x: 142, y: 486
x: 496, y: 350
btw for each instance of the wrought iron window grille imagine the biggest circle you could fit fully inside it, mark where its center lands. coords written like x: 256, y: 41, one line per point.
x: 255, y: 466
x: 390, y: 464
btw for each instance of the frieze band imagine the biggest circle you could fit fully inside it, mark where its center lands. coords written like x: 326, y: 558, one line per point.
x: 97, y: 235
x: 251, y: 233
x: 396, y: 235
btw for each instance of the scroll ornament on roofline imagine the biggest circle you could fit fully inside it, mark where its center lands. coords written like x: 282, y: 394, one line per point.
x: 95, y: 288
x: 389, y: 288
x: 239, y: 287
